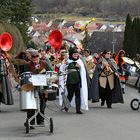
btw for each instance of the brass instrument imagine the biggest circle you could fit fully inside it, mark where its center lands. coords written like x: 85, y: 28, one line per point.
x: 107, y: 69
x: 107, y: 74
x: 90, y: 65
x: 5, y: 45
x: 5, y: 41
x: 55, y: 39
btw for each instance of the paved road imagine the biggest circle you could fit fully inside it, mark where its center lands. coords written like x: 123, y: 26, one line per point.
x: 99, y: 123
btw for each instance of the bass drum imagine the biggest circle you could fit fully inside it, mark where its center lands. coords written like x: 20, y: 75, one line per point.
x: 28, y: 100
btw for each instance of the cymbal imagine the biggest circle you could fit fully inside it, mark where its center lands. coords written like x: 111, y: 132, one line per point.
x: 19, y: 61
x: 137, y: 64
x: 128, y: 60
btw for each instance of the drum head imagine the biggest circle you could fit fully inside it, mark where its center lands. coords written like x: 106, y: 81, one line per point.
x: 27, y: 87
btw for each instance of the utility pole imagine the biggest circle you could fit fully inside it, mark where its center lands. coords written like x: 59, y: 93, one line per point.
x: 113, y: 42
x: 138, y: 11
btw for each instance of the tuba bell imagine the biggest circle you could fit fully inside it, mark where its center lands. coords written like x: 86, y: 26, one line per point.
x: 55, y: 39
x: 5, y: 41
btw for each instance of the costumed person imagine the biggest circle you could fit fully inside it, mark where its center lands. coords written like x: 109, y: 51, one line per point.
x: 20, y: 67
x: 53, y: 57
x: 63, y: 101
x: 122, y: 69
x: 96, y: 57
x: 6, y: 96
x: 44, y: 57
x: 36, y: 66
x: 114, y: 56
x: 90, y: 63
x: 76, y: 82
x: 62, y: 55
x: 105, y: 83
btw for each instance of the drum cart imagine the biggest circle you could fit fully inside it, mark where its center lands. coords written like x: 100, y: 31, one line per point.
x: 37, y: 111
x: 31, y: 100
x: 135, y: 103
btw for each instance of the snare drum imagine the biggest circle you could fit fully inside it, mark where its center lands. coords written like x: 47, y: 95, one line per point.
x: 26, y: 83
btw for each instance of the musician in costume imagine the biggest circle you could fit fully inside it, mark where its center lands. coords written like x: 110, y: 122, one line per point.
x: 20, y: 68
x: 44, y: 57
x: 36, y: 66
x: 90, y: 63
x: 53, y: 57
x: 62, y: 56
x: 122, y: 69
x: 105, y: 84
x: 76, y: 81
x: 6, y: 96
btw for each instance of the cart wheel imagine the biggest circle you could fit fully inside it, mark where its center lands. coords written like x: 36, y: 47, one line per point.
x: 134, y: 104
x: 27, y: 126
x: 51, y: 125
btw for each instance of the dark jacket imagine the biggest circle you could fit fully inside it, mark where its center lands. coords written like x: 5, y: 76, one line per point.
x: 94, y: 88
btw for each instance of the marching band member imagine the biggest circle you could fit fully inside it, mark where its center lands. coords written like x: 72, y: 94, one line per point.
x: 121, y: 69
x: 90, y: 63
x: 21, y: 68
x: 76, y: 81
x: 62, y: 55
x: 105, y: 82
x: 36, y: 66
x: 5, y: 83
x: 44, y: 57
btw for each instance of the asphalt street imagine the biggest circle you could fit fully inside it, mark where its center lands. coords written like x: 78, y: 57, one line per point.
x: 99, y: 123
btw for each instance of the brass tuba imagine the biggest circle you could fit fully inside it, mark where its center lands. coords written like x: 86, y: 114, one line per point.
x: 55, y: 39
x: 5, y: 41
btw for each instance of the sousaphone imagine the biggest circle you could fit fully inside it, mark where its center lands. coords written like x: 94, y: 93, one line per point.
x: 5, y: 41
x: 55, y: 39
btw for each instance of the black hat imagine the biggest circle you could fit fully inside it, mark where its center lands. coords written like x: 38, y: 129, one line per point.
x: 88, y: 51
x: 106, y: 51
x: 72, y: 51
